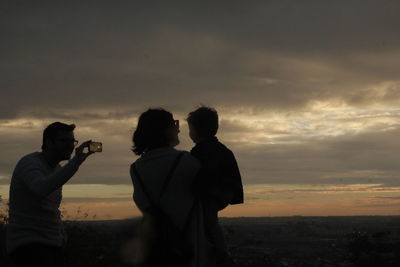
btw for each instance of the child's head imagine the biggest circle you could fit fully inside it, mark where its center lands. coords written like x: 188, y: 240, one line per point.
x: 203, y: 123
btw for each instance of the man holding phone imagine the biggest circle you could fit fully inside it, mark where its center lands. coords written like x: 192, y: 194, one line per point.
x: 35, y: 234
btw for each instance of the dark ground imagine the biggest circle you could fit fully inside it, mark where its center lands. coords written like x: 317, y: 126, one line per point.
x: 280, y: 241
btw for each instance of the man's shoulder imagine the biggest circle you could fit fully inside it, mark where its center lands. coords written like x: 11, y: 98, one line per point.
x: 30, y: 158
x: 27, y: 162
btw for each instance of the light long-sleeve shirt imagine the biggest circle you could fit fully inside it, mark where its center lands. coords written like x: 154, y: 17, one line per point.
x: 35, y: 197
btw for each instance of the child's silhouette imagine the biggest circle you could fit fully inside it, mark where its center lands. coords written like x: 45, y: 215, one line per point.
x: 219, y: 181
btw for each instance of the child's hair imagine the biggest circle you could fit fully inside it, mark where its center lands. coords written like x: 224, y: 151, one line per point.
x: 204, y: 120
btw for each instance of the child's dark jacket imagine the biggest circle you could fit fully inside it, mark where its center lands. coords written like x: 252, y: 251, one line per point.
x: 220, y: 172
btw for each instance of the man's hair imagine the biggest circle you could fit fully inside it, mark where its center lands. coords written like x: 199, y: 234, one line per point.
x: 204, y: 120
x: 51, y: 131
x: 150, y: 130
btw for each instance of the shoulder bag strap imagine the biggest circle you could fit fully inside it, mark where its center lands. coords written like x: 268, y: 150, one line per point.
x: 165, y: 184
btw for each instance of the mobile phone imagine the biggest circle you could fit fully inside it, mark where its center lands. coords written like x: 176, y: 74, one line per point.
x: 95, y: 147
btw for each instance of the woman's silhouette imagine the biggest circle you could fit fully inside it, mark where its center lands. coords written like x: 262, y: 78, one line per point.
x: 162, y: 178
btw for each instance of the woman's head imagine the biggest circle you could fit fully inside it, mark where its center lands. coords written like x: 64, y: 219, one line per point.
x: 156, y: 128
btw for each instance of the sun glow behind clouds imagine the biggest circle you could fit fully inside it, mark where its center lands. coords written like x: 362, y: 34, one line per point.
x: 320, y: 120
x: 103, y: 184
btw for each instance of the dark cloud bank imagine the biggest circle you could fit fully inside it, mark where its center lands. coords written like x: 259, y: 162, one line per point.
x: 270, y: 54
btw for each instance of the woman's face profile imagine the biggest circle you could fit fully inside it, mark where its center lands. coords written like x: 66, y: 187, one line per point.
x: 172, y: 134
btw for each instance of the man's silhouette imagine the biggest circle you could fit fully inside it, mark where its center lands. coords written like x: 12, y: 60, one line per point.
x: 35, y: 234
x: 219, y: 182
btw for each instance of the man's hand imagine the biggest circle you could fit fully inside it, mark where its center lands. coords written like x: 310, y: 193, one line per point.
x: 80, y: 154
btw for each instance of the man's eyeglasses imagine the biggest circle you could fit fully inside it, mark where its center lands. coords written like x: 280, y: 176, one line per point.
x: 176, y: 124
x: 68, y: 141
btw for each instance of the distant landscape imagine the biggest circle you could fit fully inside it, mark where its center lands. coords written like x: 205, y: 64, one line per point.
x: 360, y: 241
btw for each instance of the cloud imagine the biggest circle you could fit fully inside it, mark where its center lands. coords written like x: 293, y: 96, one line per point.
x: 368, y: 157
x: 307, y: 92
x: 332, y: 146
x: 265, y: 54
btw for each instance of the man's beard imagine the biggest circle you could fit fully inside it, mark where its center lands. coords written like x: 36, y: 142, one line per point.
x: 64, y: 155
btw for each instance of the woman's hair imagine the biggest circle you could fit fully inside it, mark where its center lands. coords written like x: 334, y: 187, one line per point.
x: 150, y: 130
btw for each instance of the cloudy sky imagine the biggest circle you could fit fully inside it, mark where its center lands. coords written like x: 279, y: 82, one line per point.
x: 308, y: 94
